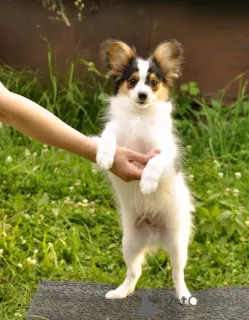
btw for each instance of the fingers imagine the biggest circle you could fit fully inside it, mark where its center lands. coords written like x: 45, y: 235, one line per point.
x: 135, y: 173
x: 142, y: 158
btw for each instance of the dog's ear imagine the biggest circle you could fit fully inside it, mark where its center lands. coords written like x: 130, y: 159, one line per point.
x: 116, y: 55
x: 168, y: 56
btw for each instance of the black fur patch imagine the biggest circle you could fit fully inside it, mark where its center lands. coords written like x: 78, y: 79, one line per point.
x: 128, y: 71
x: 154, y: 68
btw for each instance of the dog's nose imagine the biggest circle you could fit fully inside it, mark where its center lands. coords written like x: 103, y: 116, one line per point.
x: 142, y: 96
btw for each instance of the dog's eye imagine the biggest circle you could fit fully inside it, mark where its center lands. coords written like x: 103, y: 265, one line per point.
x: 153, y: 83
x: 132, y: 82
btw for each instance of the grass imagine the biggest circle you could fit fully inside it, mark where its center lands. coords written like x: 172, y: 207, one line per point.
x: 57, y: 217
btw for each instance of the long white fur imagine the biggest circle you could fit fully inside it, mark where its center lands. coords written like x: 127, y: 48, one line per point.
x: 161, y: 196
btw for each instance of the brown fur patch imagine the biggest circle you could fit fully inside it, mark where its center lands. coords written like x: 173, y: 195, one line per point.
x: 168, y: 56
x: 161, y: 90
x: 125, y: 86
x: 117, y: 55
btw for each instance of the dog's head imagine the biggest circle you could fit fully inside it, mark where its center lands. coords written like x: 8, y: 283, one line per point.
x: 143, y: 81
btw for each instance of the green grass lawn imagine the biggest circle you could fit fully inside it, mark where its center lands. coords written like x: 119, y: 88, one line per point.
x: 58, y: 220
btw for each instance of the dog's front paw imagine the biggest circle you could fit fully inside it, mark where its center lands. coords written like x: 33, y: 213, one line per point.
x: 148, y: 185
x: 105, y: 160
x: 150, y: 177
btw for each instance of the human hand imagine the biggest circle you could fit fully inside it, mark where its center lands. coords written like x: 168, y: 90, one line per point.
x: 124, y: 163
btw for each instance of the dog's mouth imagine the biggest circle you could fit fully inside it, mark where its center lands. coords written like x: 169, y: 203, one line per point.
x: 142, y: 104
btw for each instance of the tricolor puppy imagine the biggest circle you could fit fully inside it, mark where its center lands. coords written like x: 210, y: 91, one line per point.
x: 155, y: 212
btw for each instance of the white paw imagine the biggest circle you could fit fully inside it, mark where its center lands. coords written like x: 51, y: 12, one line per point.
x: 148, y: 185
x: 116, y: 294
x: 187, y: 299
x: 105, y: 160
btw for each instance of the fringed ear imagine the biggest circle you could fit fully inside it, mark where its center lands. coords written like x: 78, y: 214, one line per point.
x: 168, y: 56
x: 117, y: 55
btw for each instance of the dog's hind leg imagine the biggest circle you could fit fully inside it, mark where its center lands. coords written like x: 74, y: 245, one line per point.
x: 177, y: 240
x: 133, y: 250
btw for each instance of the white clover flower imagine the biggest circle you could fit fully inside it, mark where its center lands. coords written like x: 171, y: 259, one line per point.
x: 35, y: 251
x: 9, y: 159
x: 78, y: 183
x: 27, y: 153
x: 92, y: 210
x: 19, y: 265
x: 227, y: 190
x: 221, y: 174
x: 85, y: 201
x: 71, y: 188
x: 1, y: 253
x: 247, y: 223
x: 24, y: 241
x: 31, y: 261
x: 50, y: 245
x: 17, y: 314
x: 217, y: 163
x: 191, y: 177
x: 236, y: 192
x: 45, y: 146
x: 237, y: 175
x: 189, y: 147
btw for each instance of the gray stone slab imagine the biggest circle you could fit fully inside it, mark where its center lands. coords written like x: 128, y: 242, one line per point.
x: 55, y: 300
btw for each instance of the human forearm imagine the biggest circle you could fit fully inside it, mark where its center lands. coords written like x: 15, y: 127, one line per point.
x: 35, y: 121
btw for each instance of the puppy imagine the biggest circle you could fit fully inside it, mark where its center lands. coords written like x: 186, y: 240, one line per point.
x: 155, y: 212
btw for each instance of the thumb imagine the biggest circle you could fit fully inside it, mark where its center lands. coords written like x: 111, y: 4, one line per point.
x: 139, y: 157
x: 142, y: 158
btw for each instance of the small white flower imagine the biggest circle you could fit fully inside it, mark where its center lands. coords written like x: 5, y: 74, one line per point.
x: 27, y: 153
x: 235, y: 192
x: 189, y: 147
x: 31, y: 261
x: 17, y: 314
x: 1, y: 125
x: 107, y: 212
x: 78, y: 183
x: 217, y: 163
x: 221, y: 174
x: 24, y: 241
x: 34, y: 154
x: 92, y: 210
x: 50, y: 245
x: 227, y: 190
x: 237, y: 175
x: 247, y: 223
x: 191, y: 177
x: 9, y: 159
x: 71, y: 188
x: 35, y: 251
x: 85, y: 201
x: 19, y: 265
x: 1, y: 251
x: 45, y: 146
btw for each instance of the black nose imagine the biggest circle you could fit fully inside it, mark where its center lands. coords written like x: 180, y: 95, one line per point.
x: 142, y: 96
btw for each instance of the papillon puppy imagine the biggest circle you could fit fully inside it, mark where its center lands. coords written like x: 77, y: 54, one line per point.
x: 156, y: 211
